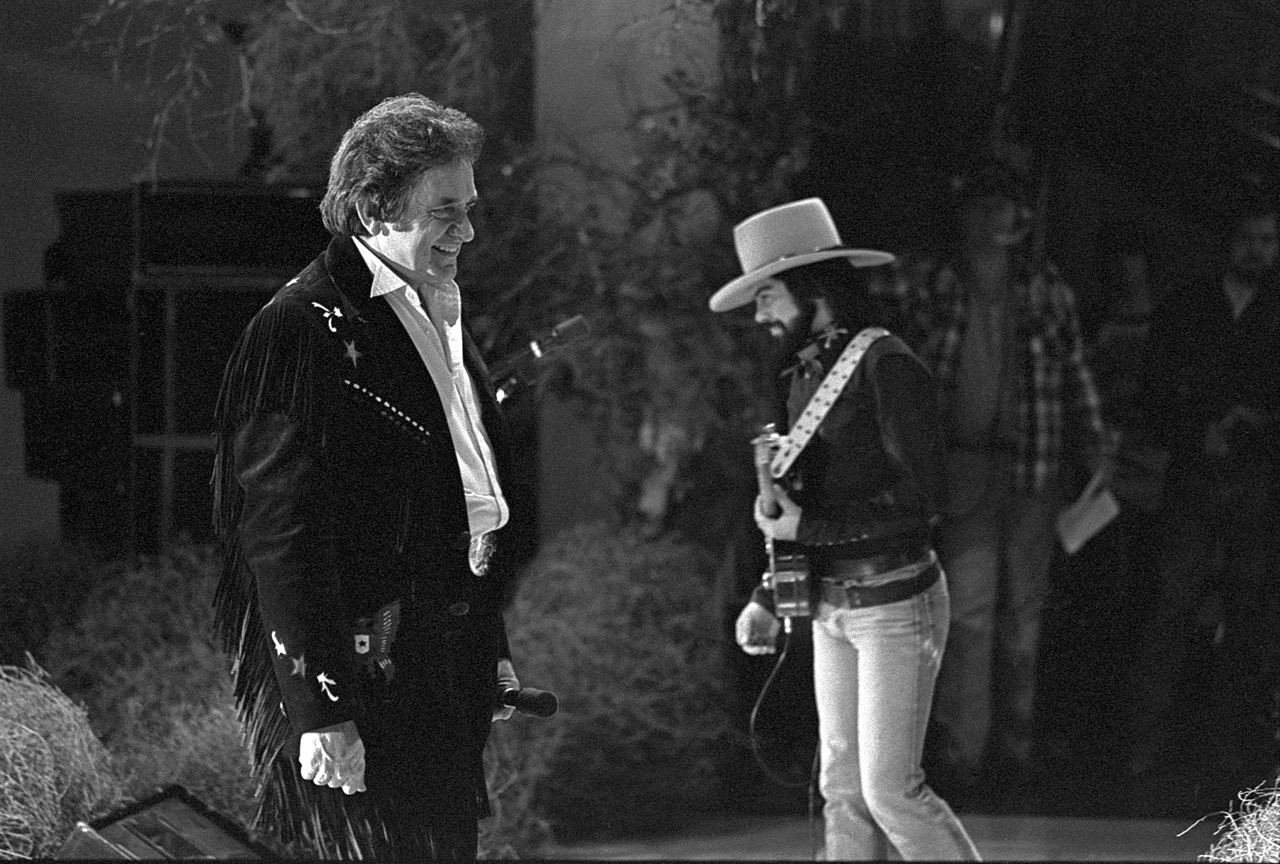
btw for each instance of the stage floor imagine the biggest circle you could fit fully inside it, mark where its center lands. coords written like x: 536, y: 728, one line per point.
x: 998, y: 838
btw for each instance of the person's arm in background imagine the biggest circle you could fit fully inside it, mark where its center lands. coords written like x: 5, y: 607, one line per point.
x: 1086, y: 405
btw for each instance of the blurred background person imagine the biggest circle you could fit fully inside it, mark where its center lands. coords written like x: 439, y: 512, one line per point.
x: 1214, y: 384
x: 998, y: 327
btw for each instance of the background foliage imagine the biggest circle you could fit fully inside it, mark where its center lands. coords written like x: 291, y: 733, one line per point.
x: 663, y: 381
x: 141, y: 660
x: 623, y: 617
x: 624, y: 629
x: 621, y: 627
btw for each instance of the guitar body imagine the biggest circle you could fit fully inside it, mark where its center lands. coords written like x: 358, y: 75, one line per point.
x: 787, y: 576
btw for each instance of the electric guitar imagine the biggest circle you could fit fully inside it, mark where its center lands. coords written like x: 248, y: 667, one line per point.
x: 787, y: 576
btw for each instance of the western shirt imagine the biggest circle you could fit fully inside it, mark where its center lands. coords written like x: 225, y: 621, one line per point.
x: 432, y: 316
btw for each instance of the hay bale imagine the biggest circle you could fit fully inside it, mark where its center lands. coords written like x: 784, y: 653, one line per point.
x: 53, y: 769
x: 1251, y: 832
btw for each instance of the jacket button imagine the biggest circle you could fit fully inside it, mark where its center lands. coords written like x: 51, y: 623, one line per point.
x: 460, y: 608
x: 463, y: 540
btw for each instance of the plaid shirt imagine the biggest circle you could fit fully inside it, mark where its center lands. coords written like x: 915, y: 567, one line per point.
x: 1044, y: 359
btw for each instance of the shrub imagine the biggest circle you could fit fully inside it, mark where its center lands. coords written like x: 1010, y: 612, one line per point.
x: 42, y: 584
x: 142, y: 660
x: 53, y: 771
x: 143, y: 645
x: 623, y: 627
x: 198, y: 747
x: 625, y: 630
x: 1252, y: 832
x: 515, y: 829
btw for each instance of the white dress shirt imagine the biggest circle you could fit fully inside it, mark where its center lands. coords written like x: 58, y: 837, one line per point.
x: 436, y: 331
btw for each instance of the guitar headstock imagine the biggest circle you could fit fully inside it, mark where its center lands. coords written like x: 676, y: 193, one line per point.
x: 766, y: 444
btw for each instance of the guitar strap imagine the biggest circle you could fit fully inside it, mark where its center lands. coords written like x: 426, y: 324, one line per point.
x: 821, y: 401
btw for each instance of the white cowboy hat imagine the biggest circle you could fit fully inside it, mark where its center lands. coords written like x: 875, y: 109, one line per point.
x: 783, y: 237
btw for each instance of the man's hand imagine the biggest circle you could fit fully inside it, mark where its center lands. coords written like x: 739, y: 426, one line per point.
x: 334, y: 757
x: 757, y: 629
x: 786, y: 524
x: 507, y: 680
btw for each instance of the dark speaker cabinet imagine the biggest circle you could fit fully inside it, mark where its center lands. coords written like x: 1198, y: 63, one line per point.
x: 119, y: 357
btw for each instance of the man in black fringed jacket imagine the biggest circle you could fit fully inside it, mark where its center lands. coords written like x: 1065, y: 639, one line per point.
x: 358, y: 496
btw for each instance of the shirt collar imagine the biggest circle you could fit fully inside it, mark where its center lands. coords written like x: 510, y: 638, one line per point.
x: 444, y: 297
x: 385, y: 280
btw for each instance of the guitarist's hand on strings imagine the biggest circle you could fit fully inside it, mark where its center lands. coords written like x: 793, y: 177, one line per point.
x: 786, y: 523
x: 756, y: 630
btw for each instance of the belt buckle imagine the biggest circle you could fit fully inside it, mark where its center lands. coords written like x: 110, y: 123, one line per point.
x: 479, y: 552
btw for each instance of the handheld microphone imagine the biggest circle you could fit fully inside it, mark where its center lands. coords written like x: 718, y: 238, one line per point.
x: 531, y: 701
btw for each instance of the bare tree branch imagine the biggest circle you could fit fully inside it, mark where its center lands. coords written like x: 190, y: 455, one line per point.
x: 316, y: 28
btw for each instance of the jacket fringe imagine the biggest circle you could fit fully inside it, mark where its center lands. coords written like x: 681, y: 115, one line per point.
x: 271, y: 369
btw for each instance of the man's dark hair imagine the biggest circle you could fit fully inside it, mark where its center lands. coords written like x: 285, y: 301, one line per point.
x: 384, y: 153
x: 843, y: 286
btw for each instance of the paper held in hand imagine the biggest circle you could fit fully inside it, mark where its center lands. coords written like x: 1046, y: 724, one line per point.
x: 1087, y: 515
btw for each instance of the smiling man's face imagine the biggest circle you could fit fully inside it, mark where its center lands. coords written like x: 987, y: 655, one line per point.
x: 425, y: 241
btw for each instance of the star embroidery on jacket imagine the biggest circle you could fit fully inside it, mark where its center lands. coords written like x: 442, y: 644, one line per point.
x: 329, y: 314
x: 299, y: 665
x: 325, y: 683
x: 353, y: 353
x: 280, y: 652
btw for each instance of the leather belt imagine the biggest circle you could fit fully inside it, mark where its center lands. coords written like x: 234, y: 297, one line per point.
x: 855, y: 597
x: 854, y: 569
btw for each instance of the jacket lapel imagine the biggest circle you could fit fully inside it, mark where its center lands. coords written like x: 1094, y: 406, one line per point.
x: 384, y: 333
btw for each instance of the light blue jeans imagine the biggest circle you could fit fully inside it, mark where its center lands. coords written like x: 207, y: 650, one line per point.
x: 874, y: 670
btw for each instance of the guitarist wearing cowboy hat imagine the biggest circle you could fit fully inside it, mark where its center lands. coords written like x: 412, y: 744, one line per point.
x: 855, y: 487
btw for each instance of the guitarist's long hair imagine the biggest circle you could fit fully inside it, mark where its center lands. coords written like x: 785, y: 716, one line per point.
x: 845, y: 290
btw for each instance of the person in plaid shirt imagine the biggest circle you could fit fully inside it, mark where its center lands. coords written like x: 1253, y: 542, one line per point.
x: 997, y: 325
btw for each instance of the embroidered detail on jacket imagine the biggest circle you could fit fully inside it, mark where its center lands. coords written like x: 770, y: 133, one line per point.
x: 329, y: 314
x: 387, y: 410
x: 353, y: 353
x: 374, y: 637
x: 325, y: 683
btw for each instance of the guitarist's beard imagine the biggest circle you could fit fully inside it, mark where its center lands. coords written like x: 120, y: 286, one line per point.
x: 789, y: 342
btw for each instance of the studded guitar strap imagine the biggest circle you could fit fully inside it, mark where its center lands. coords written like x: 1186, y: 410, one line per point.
x: 823, y: 398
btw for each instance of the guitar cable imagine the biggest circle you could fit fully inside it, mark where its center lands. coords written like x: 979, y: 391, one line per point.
x: 812, y: 782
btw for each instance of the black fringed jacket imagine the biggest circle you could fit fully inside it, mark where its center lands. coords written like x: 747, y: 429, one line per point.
x: 346, y: 592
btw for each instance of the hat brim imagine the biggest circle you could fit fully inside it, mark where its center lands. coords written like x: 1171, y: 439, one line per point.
x: 741, y: 291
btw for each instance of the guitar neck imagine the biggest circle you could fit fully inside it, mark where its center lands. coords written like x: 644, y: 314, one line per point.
x: 765, y: 445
